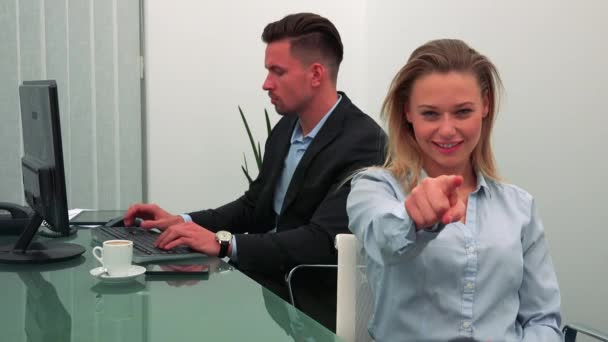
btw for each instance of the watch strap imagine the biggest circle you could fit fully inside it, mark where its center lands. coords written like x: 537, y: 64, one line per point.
x: 223, y: 248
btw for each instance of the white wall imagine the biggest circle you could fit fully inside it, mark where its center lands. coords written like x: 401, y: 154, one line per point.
x: 205, y: 58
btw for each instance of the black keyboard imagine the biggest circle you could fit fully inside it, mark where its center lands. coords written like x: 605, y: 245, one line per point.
x: 143, y: 240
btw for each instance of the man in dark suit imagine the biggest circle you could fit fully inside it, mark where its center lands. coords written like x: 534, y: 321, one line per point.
x: 297, y: 204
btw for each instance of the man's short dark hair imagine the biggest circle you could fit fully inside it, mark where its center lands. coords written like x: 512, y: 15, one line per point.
x: 312, y: 37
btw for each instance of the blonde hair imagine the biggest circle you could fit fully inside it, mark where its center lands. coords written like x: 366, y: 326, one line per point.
x: 404, y: 157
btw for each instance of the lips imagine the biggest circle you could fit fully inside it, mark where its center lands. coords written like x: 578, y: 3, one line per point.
x: 447, y: 147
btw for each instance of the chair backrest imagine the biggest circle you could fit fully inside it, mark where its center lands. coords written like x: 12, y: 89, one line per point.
x: 354, y: 302
x: 570, y: 331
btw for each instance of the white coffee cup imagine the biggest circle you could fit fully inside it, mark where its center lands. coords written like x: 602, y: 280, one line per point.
x: 115, y: 256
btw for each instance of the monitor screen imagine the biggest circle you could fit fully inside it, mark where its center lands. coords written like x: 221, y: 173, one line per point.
x: 43, y: 177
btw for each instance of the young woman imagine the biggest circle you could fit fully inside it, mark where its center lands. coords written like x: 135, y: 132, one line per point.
x: 453, y: 253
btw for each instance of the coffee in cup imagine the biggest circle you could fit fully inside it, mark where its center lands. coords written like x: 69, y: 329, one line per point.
x: 115, y: 256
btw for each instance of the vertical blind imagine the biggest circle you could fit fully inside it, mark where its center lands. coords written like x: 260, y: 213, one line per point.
x: 92, y: 49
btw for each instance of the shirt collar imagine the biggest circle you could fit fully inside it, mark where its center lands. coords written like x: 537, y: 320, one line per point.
x: 296, y: 136
x: 482, y: 184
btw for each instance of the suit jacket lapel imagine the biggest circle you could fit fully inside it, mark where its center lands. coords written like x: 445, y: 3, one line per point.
x: 330, y: 130
x: 283, y: 142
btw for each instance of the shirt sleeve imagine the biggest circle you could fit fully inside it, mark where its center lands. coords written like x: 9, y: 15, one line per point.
x: 539, y: 310
x: 233, y: 257
x: 378, y: 218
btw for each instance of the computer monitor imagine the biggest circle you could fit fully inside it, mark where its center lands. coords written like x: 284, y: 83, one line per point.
x: 43, y: 177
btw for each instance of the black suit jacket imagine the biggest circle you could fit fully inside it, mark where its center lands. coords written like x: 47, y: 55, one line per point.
x: 314, y: 208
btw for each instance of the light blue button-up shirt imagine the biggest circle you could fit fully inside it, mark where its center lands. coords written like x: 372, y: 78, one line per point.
x: 298, y: 146
x: 490, y: 279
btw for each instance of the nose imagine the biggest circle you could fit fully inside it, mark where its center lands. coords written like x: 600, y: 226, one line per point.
x: 268, y: 84
x: 447, y: 128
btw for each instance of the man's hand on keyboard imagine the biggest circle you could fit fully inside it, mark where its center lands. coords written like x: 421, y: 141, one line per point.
x: 191, y: 235
x: 153, y: 216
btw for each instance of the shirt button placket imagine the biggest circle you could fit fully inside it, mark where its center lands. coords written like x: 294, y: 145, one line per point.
x: 468, y: 291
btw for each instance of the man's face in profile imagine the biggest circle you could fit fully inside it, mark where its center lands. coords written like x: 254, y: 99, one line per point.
x: 288, y: 82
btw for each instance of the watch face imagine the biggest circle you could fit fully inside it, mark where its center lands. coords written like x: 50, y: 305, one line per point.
x: 223, y: 235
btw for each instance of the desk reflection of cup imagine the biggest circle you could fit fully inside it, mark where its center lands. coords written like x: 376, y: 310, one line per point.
x: 115, y: 256
x: 121, y: 313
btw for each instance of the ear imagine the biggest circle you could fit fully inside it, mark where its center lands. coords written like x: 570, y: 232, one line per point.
x: 317, y: 71
x: 486, y: 105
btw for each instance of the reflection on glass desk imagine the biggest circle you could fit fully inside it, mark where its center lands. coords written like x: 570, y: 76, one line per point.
x: 63, y: 302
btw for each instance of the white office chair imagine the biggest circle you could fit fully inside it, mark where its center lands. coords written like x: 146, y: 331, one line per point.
x: 355, y: 301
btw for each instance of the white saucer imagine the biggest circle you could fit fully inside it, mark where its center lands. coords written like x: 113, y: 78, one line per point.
x: 134, y: 272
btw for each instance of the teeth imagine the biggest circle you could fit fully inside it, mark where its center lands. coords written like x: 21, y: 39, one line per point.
x: 446, y: 145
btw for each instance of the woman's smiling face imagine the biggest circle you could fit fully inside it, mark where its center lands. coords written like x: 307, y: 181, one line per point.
x: 446, y: 111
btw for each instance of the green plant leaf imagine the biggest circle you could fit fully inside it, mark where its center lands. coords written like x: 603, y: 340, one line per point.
x: 267, y: 121
x: 245, y: 161
x: 247, y: 175
x: 248, y: 132
x: 257, y: 151
x: 258, y: 157
x: 245, y: 169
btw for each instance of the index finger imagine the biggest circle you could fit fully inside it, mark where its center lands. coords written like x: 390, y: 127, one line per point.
x: 130, y: 214
x: 137, y: 210
x: 449, y: 183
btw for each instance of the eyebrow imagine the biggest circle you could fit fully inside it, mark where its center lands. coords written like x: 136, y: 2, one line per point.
x: 425, y: 106
x: 271, y: 64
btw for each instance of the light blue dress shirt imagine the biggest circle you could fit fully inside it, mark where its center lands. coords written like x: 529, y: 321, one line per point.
x: 490, y: 279
x: 298, y: 146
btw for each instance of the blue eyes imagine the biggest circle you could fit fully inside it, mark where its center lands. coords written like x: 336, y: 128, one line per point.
x: 429, y: 114
x: 464, y: 111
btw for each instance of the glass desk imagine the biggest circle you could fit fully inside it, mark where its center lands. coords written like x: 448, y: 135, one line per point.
x: 63, y: 302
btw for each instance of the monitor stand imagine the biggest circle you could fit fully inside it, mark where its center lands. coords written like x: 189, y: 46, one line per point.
x: 24, y: 251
